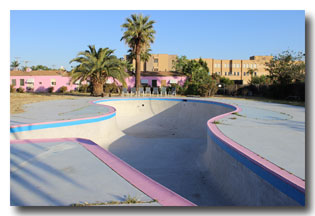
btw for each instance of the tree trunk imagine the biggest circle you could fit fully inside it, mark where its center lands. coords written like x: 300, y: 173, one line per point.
x: 97, y: 88
x: 138, y: 62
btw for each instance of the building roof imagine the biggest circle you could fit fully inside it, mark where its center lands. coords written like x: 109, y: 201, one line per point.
x: 39, y: 73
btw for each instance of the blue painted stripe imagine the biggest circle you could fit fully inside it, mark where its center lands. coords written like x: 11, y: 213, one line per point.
x: 277, y: 182
x: 169, y: 99
x: 60, y: 124
x: 77, y: 122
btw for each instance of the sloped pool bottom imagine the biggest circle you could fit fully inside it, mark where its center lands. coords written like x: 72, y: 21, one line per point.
x: 166, y: 141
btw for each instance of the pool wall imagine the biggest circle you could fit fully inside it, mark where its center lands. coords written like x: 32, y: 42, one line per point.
x: 241, y: 175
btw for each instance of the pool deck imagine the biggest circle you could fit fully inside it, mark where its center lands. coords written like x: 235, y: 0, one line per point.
x: 43, y: 175
x: 275, y: 132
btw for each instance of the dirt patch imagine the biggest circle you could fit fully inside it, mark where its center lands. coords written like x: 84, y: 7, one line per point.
x: 17, y: 100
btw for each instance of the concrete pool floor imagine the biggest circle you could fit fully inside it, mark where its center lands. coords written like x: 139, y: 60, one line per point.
x: 274, y: 131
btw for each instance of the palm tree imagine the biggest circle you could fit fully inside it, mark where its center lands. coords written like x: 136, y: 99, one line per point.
x: 251, y: 72
x: 15, y: 64
x: 144, y: 56
x: 138, y: 35
x: 97, y: 66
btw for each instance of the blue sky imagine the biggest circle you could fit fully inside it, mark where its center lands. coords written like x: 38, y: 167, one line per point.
x: 55, y: 37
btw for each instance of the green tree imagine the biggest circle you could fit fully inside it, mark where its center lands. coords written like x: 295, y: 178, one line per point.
x: 138, y: 35
x: 251, y: 71
x: 286, y: 68
x: 260, y: 80
x: 179, y: 63
x: 226, y: 81
x: 199, y: 81
x: 97, y: 66
x: 40, y: 67
x: 15, y: 64
x: 144, y: 56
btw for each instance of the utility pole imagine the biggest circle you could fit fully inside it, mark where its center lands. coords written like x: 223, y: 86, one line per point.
x: 25, y: 63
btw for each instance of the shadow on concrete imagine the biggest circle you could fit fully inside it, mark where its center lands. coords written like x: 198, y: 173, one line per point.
x: 24, y: 177
x: 169, y: 146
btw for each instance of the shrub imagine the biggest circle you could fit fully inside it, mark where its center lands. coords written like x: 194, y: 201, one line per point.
x: 111, y: 88
x: 20, y: 90
x: 63, y: 89
x: 29, y: 89
x: 83, y: 88
x: 12, y: 89
x: 50, y: 89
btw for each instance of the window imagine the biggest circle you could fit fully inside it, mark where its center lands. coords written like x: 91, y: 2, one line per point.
x: 230, y: 73
x: 225, y: 65
x: 237, y: 65
x: 251, y: 66
x: 244, y: 74
x: 238, y: 73
x: 13, y: 82
x: 53, y: 82
x: 255, y: 74
x: 234, y: 65
x: 21, y: 82
x: 234, y: 73
x: 156, y: 69
x: 225, y: 73
x: 144, y: 81
x: 255, y: 66
x: 215, y: 65
x: 247, y: 73
x: 156, y: 60
x: 219, y: 65
x: 244, y: 65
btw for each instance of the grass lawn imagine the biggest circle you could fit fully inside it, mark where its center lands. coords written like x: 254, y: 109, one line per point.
x: 17, y: 100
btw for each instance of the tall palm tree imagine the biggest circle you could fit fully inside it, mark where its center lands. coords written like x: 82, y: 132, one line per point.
x: 144, y: 56
x: 138, y: 35
x: 251, y: 71
x: 15, y: 64
x: 97, y: 66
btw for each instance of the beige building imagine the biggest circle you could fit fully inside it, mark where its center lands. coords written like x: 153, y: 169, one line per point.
x: 236, y: 70
x: 158, y: 63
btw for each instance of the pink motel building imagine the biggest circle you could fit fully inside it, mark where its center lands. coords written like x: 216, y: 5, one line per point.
x: 40, y: 81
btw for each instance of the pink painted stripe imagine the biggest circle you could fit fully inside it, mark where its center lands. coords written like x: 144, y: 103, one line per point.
x: 111, y: 111
x: 265, y: 164
x: 156, y: 191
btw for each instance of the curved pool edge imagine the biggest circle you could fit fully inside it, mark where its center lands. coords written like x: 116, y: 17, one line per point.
x: 148, y: 186
x: 296, y: 188
x: 278, y: 173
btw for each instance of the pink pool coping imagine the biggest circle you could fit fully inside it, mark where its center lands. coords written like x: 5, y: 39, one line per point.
x: 273, y: 168
x: 265, y: 164
x: 148, y: 186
